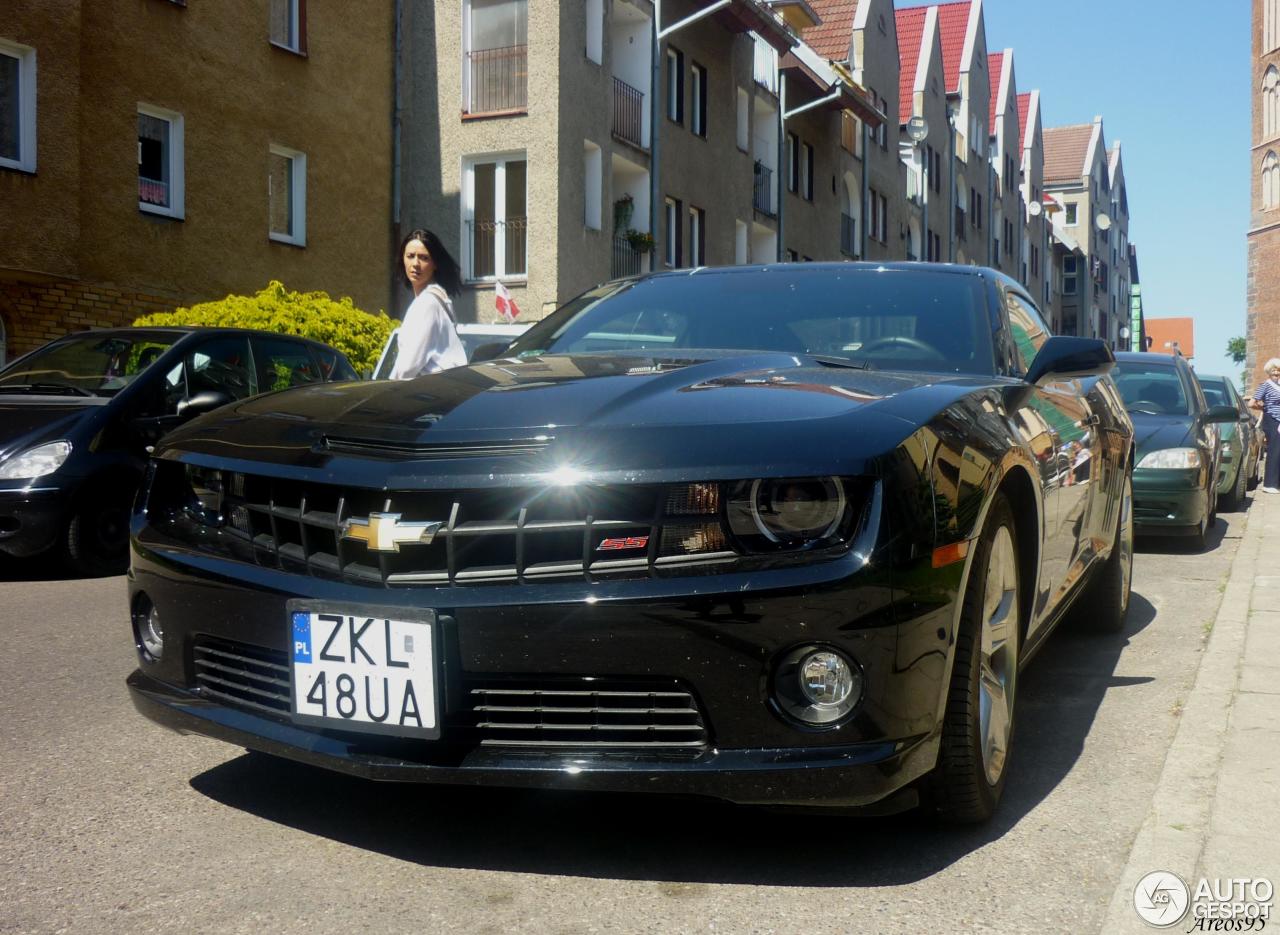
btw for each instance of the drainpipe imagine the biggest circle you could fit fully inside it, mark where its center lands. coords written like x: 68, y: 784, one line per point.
x: 779, y: 249
x: 396, y: 123
x: 951, y: 189
x: 866, y: 186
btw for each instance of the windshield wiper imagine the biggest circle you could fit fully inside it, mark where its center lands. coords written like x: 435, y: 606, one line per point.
x: 51, y: 389
x: 849, y: 362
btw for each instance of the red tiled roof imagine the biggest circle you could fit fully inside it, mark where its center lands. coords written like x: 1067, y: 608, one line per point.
x: 910, y: 26
x: 1064, y: 152
x: 832, y: 36
x: 953, y: 25
x: 1024, y: 110
x: 995, y: 70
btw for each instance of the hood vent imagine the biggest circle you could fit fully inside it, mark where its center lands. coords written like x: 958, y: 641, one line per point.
x: 435, y: 451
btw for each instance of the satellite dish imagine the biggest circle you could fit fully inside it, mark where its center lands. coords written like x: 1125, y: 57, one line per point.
x: 917, y: 128
x: 1102, y: 222
x: 1035, y: 209
x: 1124, y: 334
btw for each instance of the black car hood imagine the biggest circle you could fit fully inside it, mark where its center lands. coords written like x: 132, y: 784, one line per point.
x: 1152, y: 432
x: 662, y: 409
x: 26, y: 421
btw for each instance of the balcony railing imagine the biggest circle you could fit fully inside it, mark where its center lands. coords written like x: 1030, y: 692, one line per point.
x: 626, y: 261
x: 762, y: 196
x: 487, y: 261
x: 499, y: 79
x: 153, y: 192
x: 628, y: 112
x: 849, y: 236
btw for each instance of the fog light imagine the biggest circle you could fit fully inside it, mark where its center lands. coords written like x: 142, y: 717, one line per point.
x: 825, y: 678
x: 147, y: 629
x: 818, y: 686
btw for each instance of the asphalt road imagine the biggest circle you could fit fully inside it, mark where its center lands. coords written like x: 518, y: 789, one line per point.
x: 111, y: 824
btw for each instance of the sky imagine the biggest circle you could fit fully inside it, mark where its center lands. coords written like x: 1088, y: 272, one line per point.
x: 1171, y: 80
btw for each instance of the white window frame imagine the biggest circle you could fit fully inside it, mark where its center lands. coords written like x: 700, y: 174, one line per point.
x: 595, y: 31
x: 671, y: 218
x: 675, y: 85
x: 1071, y: 278
x: 696, y: 233
x: 177, y: 160
x: 295, y: 28
x: 1071, y: 209
x: 806, y: 175
x: 697, y: 125
x: 298, y: 197
x: 500, y: 160
x: 26, y: 56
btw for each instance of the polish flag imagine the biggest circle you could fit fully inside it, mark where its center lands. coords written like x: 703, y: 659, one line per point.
x: 505, y: 305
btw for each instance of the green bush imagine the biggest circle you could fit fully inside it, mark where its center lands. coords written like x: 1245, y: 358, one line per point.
x: 358, y: 334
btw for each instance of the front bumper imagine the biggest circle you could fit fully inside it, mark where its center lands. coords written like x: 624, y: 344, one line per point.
x: 31, y: 519
x: 722, y: 645
x: 1170, y: 501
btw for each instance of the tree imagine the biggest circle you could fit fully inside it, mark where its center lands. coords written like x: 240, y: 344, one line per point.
x: 1238, y: 350
x: 356, y: 333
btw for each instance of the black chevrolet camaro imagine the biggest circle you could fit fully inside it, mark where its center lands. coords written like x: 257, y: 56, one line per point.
x: 776, y: 535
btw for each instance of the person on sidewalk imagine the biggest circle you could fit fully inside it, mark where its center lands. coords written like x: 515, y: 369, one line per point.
x: 428, y: 338
x: 1267, y: 401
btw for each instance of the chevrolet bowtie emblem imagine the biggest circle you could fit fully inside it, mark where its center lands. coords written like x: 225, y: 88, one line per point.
x: 384, y: 532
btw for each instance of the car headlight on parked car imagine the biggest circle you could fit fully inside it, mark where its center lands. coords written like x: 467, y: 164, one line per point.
x: 1172, y: 459
x: 787, y: 512
x: 1226, y: 451
x: 35, y: 462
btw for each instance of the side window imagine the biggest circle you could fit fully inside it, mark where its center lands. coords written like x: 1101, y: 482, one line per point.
x: 282, y: 363
x: 1028, y: 329
x: 332, y: 367
x: 220, y: 364
x: 1193, y: 389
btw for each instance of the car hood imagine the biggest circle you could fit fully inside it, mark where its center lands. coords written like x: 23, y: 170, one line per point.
x: 1152, y: 433
x: 30, y: 420
x: 716, y: 408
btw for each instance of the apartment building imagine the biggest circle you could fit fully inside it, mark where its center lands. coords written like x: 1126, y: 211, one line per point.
x: 1263, y: 289
x: 155, y: 153
x: 1006, y: 230
x: 1036, y: 253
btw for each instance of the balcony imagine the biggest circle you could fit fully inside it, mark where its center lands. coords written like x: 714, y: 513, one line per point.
x: 626, y: 260
x: 848, y: 236
x: 762, y: 195
x: 499, y: 249
x: 499, y: 80
x: 628, y: 113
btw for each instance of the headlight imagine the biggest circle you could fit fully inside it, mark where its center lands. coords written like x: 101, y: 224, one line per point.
x: 36, y: 462
x: 787, y: 512
x: 1172, y: 459
x: 1226, y: 451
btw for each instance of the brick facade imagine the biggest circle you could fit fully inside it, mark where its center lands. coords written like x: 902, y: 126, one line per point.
x: 34, y: 313
x: 1262, y: 292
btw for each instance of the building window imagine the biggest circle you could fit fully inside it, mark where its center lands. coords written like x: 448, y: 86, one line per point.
x: 697, y: 237
x: 793, y: 162
x: 1270, y: 102
x: 17, y: 106
x: 287, y: 195
x: 884, y: 220
x: 592, y: 184
x: 1270, y: 25
x: 160, y: 162
x: 671, y: 233
x: 806, y: 172
x: 494, y: 212
x: 595, y: 30
x: 496, y: 79
x: 1069, y: 275
x: 849, y: 133
x: 288, y: 27
x: 1270, y: 180
x: 1071, y: 213
x: 698, y: 87
x: 1035, y: 260
x: 792, y: 256
x: 675, y: 85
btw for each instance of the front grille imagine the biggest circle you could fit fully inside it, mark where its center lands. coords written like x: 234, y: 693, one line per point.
x: 243, y: 676
x: 488, y: 536
x: 621, y: 717
x: 651, y: 715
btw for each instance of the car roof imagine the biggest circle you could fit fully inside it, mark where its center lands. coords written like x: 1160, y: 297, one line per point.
x: 185, y: 330
x: 954, y: 269
x: 1150, y: 357
x: 1212, y: 378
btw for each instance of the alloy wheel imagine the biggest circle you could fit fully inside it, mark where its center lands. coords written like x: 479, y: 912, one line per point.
x: 998, y: 670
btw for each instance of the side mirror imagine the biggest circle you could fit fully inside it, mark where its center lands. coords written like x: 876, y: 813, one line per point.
x: 202, y: 402
x: 488, y: 351
x: 1219, y: 414
x: 1067, y: 358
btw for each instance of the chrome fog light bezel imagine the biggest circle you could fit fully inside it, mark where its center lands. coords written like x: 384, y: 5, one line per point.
x: 798, y: 703
x: 148, y: 633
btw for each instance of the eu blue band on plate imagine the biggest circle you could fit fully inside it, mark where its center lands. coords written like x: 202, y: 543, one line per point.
x: 301, y: 636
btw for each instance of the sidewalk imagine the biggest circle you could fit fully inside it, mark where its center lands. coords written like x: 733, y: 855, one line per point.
x: 1216, y: 811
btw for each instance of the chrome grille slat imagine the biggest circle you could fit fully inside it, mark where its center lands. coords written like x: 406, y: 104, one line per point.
x: 241, y: 675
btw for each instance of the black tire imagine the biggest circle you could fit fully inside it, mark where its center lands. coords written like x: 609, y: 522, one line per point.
x: 1234, y: 499
x: 96, y: 542
x: 1255, y: 476
x: 1105, y: 601
x: 973, y: 757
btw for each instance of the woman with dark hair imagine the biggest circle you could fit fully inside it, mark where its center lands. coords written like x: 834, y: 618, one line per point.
x: 428, y: 339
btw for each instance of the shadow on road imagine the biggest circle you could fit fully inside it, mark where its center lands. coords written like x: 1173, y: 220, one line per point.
x: 684, y: 840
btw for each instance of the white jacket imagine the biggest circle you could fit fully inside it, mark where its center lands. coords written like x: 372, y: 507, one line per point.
x: 428, y: 338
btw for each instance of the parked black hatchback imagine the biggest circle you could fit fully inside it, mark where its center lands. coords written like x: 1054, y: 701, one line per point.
x: 78, y: 416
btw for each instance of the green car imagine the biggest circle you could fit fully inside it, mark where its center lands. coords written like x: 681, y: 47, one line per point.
x: 1240, y: 447
x: 1175, y: 478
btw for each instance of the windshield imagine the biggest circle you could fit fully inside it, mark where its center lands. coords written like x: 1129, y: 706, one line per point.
x: 87, y: 365
x: 902, y: 319
x: 1150, y: 388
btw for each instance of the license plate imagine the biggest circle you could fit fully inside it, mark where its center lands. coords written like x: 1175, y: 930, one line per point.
x: 365, y: 672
